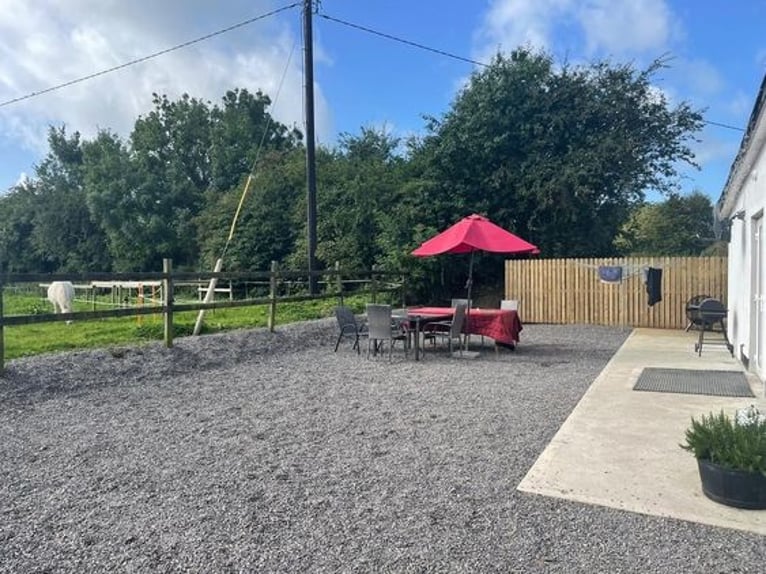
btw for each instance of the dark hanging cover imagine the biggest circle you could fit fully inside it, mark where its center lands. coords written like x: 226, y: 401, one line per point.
x: 654, y: 285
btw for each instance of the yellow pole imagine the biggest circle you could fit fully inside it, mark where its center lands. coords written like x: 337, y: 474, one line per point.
x: 208, y: 296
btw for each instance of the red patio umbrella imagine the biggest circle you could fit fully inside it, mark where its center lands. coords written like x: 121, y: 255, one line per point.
x: 471, y: 234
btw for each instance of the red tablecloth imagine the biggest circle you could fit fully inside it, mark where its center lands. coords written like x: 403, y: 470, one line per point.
x: 502, y: 325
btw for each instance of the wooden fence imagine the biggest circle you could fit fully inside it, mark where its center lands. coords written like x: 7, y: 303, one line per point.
x: 562, y: 291
x: 337, y: 282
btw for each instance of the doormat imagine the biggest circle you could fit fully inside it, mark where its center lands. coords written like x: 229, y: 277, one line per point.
x: 694, y: 382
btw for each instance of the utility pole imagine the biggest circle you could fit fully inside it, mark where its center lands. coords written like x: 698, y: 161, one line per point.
x: 311, y: 180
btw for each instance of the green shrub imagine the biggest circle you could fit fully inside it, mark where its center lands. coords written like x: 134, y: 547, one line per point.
x: 725, y: 442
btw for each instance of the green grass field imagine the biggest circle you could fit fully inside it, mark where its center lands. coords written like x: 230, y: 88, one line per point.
x: 35, y: 339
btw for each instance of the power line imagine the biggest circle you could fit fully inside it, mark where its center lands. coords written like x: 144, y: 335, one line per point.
x: 403, y: 41
x: 456, y: 57
x: 261, y: 17
x: 150, y: 56
x: 720, y: 125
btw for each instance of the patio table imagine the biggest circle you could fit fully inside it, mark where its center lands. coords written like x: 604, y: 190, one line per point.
x: 501, y: 325
x: 416, y: 317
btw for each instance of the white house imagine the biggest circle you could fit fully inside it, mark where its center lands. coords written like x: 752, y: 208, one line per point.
x: 741, y: 210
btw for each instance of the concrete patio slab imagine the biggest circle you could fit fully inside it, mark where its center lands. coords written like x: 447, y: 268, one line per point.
x: 620, y: 448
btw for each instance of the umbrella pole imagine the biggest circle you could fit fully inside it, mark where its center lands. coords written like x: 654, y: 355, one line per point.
x: 469, y: 283
x: 469, y: 286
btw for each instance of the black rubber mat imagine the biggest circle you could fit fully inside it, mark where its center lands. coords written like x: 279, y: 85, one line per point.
x: 694, y: 382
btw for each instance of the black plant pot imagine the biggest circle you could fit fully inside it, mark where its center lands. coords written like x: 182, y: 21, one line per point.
x: 733, y: 487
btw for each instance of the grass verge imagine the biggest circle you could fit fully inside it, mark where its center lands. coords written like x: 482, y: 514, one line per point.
x: 40, y: 338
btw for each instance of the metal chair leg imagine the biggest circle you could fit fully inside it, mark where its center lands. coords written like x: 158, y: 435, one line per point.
x: 338, y: 341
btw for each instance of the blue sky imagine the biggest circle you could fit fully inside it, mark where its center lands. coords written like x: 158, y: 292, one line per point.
x: 718, y: 53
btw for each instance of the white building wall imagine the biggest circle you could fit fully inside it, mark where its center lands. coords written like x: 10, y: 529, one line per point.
x: 738, y: 323
x: 743, y: 312
x: 743, y: 205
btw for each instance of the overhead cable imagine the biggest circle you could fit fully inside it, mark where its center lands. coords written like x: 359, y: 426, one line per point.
x: 151, y: 56
x: 455, y: 56
x: 720, y: 125
x: 403, y: 41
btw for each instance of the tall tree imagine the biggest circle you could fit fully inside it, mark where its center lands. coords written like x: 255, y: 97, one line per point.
x: 268, y: 221
x: 241, y: 126
x: 17, y: 211
x: 680, y: 225
x: 358, y: 185
x: 65, y: 234
x: 114, y: 195
x: 557, y: 154
x: 170, y: 149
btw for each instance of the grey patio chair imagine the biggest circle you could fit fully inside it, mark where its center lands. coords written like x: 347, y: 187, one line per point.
x: 383, y: 329
x: 469, y: 305
x: 510, y: 304
x: 349, y: 327
x: 449, y: 330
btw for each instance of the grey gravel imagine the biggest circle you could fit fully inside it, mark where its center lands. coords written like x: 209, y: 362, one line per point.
x: 260, y: 452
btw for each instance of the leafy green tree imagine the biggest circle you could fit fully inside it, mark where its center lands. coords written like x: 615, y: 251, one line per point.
x: 680, y: 225
x: 114, y: 196
x: 147, y: 192
x: 557, y: 154
x: 182, y: 159
x: 267, y: 225
x: 358, y: 189
x: 17, y: 211
x: 243, y: 131
x: 65, y: 235
x: 170, y: 151
x: 239, y: 128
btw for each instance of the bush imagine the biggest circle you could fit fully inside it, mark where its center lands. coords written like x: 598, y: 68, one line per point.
x: 736, y: 445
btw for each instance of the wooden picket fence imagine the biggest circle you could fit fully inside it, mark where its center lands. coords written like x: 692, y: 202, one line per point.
x: 568, y: 291
x: 335, y: 282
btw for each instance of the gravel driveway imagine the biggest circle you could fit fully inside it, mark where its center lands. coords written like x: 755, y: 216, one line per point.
x: 258, y: 452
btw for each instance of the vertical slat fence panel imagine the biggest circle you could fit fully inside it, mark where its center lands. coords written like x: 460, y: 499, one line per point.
x: 562, y: 291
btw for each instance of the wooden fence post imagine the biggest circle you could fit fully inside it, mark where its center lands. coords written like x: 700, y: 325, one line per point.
x: 2, y: 333
x: 339, y: 283
x: 167, y: 269
x: 272, y: 320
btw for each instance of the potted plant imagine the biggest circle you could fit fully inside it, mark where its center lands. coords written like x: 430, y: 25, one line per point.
x: 731, y: 456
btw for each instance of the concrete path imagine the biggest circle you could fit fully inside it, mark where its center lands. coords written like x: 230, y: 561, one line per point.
x: 620, y: 448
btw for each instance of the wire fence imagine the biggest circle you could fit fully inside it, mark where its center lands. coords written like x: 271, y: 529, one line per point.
x: 137, y: 294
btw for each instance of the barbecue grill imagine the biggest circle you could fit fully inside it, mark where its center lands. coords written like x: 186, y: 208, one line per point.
x: 709, y: 313
x: 692, y: 310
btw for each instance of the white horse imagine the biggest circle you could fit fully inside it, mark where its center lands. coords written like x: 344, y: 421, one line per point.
x: 61, y: 294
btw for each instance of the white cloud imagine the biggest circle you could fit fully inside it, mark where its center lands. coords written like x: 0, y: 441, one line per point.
x: 588, y: 28
x: 619, y: 27
x: 512, y: 23
x: 47, y: 42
